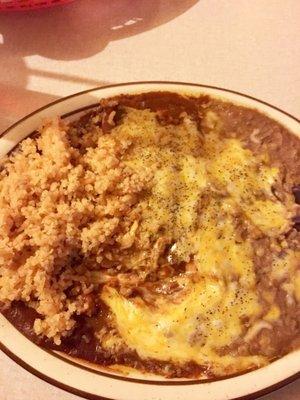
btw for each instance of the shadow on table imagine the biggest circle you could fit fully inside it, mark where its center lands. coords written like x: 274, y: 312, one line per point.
x: 84, y: 27
x: 72, y: 32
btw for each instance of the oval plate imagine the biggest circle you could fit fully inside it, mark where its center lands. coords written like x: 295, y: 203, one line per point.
x: 94, y: 382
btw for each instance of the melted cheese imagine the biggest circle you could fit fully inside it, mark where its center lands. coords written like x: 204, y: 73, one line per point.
x: 286, y: 269
x: 209, y: 315
x: 244, y: 177
x: 186, y: 331
x: 219, y: 252
x: 179, y: 176
x: 273, y: 314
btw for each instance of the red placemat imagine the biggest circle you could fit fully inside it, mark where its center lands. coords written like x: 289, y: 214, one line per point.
x: 19, y: 5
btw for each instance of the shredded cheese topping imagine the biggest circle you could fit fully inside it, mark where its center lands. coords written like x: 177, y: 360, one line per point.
x: 199, y: 187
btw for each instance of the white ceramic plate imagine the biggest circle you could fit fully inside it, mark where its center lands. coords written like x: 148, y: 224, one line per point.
x: 96, y: 383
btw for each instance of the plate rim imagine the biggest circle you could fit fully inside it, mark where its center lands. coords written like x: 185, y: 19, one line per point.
x: 132, y: 83
x: 91, y: 396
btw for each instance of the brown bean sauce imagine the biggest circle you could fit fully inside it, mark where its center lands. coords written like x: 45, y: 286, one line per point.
x: 84, y: 345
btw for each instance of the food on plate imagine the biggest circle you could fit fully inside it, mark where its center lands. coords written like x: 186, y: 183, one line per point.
x: 159, y: 231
